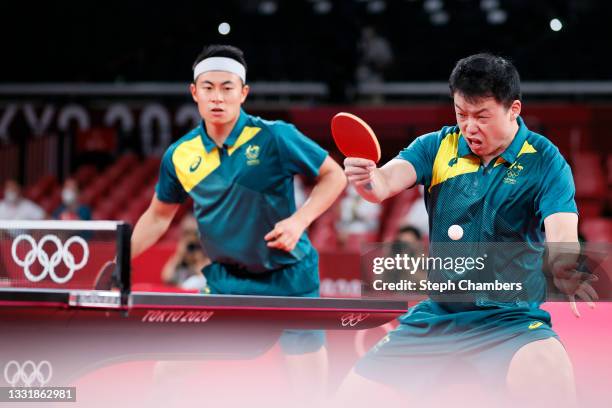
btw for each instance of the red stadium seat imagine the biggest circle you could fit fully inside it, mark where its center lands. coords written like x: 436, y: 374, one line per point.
x: 597, y: 229
x: 43, y: 187
x: 609, y: 178
x: 323, y: 234
x: 609, y: 168
x: 394, y: 213
x: 590, y: 183
x: 138, y: 205
x: 108, y: 208
x: 173, y: 234
x: 126, y: 160
x: 99, y: 215
x: 354, y: 242
x: 51, y: 201
x: 85, y: 174
x: 151, y: 166
x: 129, y: 216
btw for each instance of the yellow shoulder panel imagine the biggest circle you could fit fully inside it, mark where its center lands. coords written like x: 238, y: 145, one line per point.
x: 526, y: 149
x: 193, y: 164
x: 447, y: 155
x: 247, y: 134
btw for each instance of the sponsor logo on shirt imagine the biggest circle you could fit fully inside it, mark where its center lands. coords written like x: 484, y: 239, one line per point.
x: 196, y: 163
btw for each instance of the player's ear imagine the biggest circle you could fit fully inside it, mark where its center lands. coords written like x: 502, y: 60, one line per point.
x: 192, y: 90
x: 245, y: 92
x: 515, y: 109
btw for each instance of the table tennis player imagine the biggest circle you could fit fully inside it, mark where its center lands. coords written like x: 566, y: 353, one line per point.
x: 239, y: 171
x: 500, y: 182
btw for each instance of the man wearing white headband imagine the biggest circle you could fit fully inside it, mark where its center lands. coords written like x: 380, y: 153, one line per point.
x: 239, y: 171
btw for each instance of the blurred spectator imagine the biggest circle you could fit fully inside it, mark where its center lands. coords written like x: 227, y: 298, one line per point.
x: 71, y: 208
x: 376, y: 56
x: 184, y: 268
x: 417, y: 215
x: 16, y: 207
x: 357, y: 216
x: 408, y: 241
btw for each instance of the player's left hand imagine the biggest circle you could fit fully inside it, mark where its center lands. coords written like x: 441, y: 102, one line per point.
x: 286, y: 233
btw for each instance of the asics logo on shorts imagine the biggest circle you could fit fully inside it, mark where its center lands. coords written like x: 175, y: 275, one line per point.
x: 535, y: 325
x: 27, y: 374
x: 353, y: 319
x: 49, y: 261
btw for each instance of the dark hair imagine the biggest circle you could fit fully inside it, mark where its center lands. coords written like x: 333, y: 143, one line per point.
x: 409, y: 229
x: 486, y: 75
x: 193, y: 246
x: 218, y: 50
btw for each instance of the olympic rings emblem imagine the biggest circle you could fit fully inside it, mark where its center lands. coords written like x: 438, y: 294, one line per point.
x: 62, y: 253
x: 353, y: 319
x: 27, y: 374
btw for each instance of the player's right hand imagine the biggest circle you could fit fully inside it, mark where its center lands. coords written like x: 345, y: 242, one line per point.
x: 359, y: 171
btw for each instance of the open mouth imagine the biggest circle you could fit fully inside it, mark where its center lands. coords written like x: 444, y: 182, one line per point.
x: 473, y: 142
x: 217, y: 110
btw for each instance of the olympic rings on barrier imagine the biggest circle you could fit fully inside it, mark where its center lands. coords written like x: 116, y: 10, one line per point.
x: 62, y: 253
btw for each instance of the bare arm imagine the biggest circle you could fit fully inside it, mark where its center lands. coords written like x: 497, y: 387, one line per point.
x: 378, y: 184
x: 563, y: 251
x: 330, y: 183
x: 152, y: 224
x: 562, y: 227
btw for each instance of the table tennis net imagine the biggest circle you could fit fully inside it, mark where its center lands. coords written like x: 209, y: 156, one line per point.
x: 59, y: 254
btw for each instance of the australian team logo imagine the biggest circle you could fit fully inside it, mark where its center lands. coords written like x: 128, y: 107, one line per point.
x: 252, y: 155
x: 512, y: 173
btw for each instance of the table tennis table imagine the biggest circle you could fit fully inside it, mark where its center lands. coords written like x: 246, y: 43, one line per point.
x: 80, y: 330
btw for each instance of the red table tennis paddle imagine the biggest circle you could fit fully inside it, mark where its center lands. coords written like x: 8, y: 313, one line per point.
x: 354, y: 137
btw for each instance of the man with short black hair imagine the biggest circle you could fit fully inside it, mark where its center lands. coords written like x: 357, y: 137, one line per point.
x: 500, y: 182
x: 239, y: 170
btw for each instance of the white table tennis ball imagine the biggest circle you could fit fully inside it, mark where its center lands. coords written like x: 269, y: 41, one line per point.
x: 455, y: 232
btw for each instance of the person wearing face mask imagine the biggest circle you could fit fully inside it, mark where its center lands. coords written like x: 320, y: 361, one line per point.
x: 15, y: 207
x: 71, y: 208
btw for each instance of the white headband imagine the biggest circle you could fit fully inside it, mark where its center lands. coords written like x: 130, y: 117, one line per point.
x: 220, y: 64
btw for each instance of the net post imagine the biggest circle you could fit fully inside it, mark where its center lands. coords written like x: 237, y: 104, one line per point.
x: 124, y: 233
